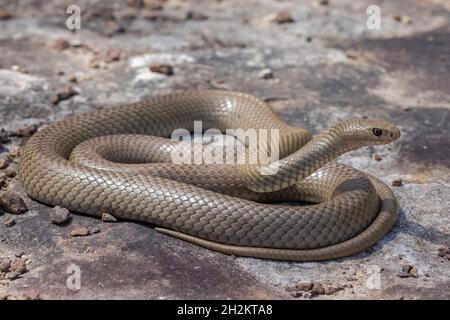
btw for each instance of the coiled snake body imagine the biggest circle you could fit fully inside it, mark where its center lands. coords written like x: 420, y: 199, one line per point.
x: 74, y: 163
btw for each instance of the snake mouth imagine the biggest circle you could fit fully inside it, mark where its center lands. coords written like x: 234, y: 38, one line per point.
x: 392, y: 134
x: 391, y: 131
x: 397, y: 134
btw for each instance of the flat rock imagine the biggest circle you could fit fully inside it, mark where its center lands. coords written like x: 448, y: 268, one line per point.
x: 329, y: 67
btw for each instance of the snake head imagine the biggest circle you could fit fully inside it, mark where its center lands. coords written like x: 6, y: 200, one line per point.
x: 364, y: 132
x: 375, y: 131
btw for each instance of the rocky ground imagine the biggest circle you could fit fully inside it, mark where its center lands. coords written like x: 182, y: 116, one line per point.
x: 316, y: 63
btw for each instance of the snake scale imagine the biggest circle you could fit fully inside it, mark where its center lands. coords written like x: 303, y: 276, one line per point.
x: 75, y: 163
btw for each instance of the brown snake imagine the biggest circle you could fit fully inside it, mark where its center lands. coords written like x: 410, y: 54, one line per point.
x: 222, y: 207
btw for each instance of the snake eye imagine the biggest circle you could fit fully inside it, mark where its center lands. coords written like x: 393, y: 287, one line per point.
x: 378, y: 132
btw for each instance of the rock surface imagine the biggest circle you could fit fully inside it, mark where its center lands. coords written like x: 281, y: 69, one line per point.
x: 329, y: 66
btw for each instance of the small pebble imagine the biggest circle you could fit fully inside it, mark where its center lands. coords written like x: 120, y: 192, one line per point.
x: 351, y: 55
x: 113, y: 55
x: 266, y: 74
x: 3, y: 179
x: 317, y: 289
x: 443, y: 250
x: 162, y: 68
x: 283, y: 17
x: 95, y: 230
x: 313, y: 289
x: 73, y: 79
x: 304, y: 286
x: 63, y: 94
x: 19, y: 266
x: 9, y: 222
x: 377, y: 157
x: 106, y: 217
x: 196, y: 16
x: 10, y: 172
x: 80, y: 232
x: 59, y: 215
x: 5, y: 264
x: 12, y: 276
x: 60, y: 44
x: 12, y: 202
x: 307, y: 295
x: 408, y: 271
x: 27, y: 131
x: 397, y: 17
x: 404, y: 19
x: 397, y: 183
x: 14, y: 152
x: 413, y: 272
x: 5, y: 15
x: 4, y: 136
x: 4, y: 162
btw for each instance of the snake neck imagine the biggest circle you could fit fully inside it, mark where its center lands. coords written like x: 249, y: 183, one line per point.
x: 322, y: 149
x: 336, y: 141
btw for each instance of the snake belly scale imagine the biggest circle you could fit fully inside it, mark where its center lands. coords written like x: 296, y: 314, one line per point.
x: 228, y: 208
